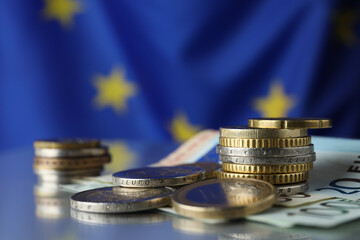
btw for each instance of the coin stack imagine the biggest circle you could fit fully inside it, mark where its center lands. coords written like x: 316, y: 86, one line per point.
x: 278, y: 151
x: 59, y: 161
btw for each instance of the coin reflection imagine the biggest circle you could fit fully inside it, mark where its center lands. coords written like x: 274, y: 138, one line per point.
x: 51, y: 203
x: 114, y: 218
x: 191, y: 226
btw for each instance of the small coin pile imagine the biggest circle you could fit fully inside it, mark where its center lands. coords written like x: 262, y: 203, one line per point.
x: 276, y: 150
x: 182, y: 187
x: 58, y: 161
x: 139, y: 189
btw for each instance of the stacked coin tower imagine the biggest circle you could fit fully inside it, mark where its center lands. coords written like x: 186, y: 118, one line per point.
x: 58, y: 161
x: 278, y: 151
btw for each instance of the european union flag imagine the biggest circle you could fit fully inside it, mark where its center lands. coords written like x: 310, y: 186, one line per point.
x: 163, y: 70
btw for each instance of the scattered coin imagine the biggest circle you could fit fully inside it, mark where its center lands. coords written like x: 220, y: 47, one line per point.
x: 158, y: 176
x: 210, y: 168
x: 120, y: 200
x: 223, y: 198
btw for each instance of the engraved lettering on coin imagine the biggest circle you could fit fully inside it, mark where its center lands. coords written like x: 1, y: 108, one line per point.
x: 159, y: 176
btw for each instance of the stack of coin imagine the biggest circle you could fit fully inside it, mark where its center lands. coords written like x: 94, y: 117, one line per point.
x: 59, y: 161
x: 278, y: 151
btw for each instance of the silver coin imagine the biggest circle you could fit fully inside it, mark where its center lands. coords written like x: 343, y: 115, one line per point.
x: 59, y: 153
x: 120, y: 200
x: 268, y: 160
x: 265, y: 152
x: 159, y: 176
x: 289, y: 189
x: 130, y: 218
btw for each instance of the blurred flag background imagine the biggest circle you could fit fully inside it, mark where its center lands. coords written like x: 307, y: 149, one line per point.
x: 163, y: 70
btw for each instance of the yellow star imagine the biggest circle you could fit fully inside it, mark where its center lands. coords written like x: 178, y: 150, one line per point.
x: 345, y: 21
x: 277, y: 104
x: 113, y: 90
x: 181, y: 129
x: 62, y: 10
x: 121, y: 157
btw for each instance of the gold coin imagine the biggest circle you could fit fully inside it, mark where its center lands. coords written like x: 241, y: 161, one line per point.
x: 271, y: 178
x: 264, y: 142
x: 246, y: 132
x: 223, y: 198
x: 75, y: 143
x: 249, y: 168
x: 70, y: 163
x: 290, y: 123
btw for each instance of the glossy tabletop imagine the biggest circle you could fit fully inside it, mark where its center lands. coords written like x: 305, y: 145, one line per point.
x: 19, y: 220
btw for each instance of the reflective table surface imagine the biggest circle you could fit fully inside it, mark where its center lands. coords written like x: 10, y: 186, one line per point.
x: 26, y: 216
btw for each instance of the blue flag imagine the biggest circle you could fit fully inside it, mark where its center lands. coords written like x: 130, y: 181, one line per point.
x: 164, y: 70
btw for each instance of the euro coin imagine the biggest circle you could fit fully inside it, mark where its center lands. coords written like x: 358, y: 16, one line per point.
x: 290, y: 123
x: 246, y: 132
x: 159, y: 176
x: 223, y: 198
x: 268, y: 160
x: 75, y: 143
x: 210, y: 168
x: 289, y: 189
x: 65, y: 153
x: 265, y: 152
x: 120, y: 200
x: 281, y: 178
x: 264, y: 142
x: 267, y: 169
x: 70, y: 163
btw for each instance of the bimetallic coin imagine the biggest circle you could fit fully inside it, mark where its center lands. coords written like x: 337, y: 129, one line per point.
x: 280, y: 178
x: 223, y: 198
x: 120, y: 200
x: 290, y: 189
x: 264, y: 142
x: 210, y: 168
x: 265, y: 169
x: 268, y: 160
x: 158, y: 176
x: 290, y: 123
x: 64, y: 153
x: 265, y: 152
x: 246, y: 132
x: 67, y: 143
x: 70, y: 163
